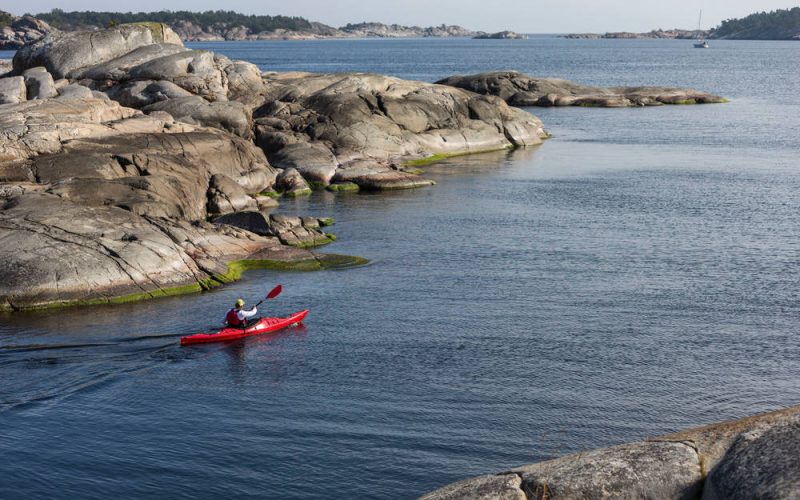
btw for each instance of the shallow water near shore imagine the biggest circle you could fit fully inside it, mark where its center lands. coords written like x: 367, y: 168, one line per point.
x: 636, y: 274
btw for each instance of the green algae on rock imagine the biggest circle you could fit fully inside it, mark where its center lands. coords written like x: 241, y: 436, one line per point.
x: 235, y: 269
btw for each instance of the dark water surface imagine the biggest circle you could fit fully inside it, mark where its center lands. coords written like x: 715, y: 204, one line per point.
x: 635, y: 275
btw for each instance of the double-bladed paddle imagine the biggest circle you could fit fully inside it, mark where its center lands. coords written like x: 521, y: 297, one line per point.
x: 272, y: 294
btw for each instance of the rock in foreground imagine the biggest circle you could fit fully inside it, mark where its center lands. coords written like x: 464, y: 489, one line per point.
x: 518, y: 89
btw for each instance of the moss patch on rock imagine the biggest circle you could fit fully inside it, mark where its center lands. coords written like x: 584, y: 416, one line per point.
x: 342, y: 186
x: 297, y: 193
x: 234, y: 272
x: 420, y: 162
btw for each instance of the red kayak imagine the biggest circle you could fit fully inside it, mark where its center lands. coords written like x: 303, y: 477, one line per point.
x: 264, y: 325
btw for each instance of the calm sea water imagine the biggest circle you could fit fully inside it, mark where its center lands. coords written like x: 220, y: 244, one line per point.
x: 635, y: 275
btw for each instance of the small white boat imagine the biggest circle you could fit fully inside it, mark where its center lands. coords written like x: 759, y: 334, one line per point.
x: 701, y: 43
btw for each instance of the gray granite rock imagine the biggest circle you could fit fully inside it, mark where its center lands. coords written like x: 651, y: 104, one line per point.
x: 319, y: 124
x: 638, y: 470
x: 62, y: 53
x: 314, y: 161
x: 228, y: 115
x: 139, y: 94
x: 295, y: 231
x: 13, y: 90
x: 304, y: 232
x: 226, y: 196
x: 252, y: 221
x: 291, y: 183
x: 763, y: 462
x: 753, y: 457
x: 39, y: 84
x: 75, y: 91
x: 376, y: 176
x: 117, y: 69
x: 195, y: 71
x: 489, y: 487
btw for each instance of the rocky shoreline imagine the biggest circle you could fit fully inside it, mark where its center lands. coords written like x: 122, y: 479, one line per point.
x: 754, y: 457
x: 134, y: 167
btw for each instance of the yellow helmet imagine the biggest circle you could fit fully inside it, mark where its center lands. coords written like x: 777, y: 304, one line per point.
x: 239, y: 302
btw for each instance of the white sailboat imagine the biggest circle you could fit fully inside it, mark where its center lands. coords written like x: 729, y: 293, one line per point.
x: 701, y: 43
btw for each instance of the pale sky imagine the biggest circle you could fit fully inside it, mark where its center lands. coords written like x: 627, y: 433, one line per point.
x: 525, y: 16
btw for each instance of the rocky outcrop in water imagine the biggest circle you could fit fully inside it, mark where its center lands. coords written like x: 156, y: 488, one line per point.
x: 131, y: 166
x: 518, y: 89
x: 356, y: 127
x: 501, y: 35
x: 755, y: 457
x: 100, y: 202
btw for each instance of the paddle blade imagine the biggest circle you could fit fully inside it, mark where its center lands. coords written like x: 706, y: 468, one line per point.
x: 274, y: 292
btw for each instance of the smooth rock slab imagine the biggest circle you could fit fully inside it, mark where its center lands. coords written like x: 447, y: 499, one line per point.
x: 118, y: 68
x: 62, y: 53
x: 763, y: 462
x: 638, y: 470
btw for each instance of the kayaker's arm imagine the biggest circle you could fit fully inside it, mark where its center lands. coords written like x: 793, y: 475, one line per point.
x: 243, y: 315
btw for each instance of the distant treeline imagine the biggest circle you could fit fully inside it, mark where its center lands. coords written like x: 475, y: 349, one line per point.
x: 205, y: 20
x: 782, y: 24
x: 5, y: 19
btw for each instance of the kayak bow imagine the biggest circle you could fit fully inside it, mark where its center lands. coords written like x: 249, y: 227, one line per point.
x: 263, y: 325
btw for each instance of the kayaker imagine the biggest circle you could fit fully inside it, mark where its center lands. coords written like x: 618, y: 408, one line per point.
x: 238, y: 316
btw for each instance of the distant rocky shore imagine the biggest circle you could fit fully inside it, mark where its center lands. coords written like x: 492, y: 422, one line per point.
x: 755, y: 457
x: 16, y: 32
x: 134, y: 167
x: 191, y: 32
x: 20, y: 31
x: 674, y: 34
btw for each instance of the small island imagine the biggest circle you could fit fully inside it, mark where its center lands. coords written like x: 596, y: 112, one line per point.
x: 501, y: 35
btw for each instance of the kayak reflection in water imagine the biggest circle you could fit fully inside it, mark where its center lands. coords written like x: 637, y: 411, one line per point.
x: 237, y: 317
